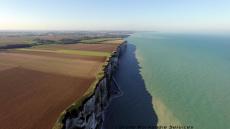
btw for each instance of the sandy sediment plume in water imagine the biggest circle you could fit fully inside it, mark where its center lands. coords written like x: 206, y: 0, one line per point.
x: 165, y: 116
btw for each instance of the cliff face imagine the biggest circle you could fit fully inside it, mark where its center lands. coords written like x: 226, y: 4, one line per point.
x: 90, y: 114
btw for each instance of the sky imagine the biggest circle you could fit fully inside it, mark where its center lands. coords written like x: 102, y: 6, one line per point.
x: 142, y: 15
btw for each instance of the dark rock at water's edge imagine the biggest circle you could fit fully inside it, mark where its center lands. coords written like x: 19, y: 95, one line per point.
x: 90, y: 114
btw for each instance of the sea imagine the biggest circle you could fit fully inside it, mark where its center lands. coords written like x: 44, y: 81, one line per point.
x: 179, y: 80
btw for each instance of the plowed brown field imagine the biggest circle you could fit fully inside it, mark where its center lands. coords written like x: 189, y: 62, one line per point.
x: 33, y: 100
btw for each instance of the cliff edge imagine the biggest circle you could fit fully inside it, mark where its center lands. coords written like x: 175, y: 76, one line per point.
x: 88, y: 112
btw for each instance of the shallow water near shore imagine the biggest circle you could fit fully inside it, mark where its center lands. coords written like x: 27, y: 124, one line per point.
x: 188, y: 76
x: 184, y: 79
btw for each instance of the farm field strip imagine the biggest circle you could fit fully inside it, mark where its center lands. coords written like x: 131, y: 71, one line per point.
x: 98, y: 40
x: 15, y: 40
x: 105, y: 46
x: 112, y: 42
x: 65, y: 51
x: 61, y: 55
x: 85, y: 53
x: 71, y: 67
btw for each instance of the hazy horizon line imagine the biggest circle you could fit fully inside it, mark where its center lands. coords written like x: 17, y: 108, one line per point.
x: 115, y: 30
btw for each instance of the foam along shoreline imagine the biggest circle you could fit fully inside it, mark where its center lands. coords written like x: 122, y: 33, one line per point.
x: 88, y: 111
x: 165, y: 116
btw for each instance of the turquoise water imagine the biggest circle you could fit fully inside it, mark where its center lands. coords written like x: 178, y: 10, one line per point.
x: 188, y: 76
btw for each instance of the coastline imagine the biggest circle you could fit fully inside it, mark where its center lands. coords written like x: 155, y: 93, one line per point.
x: 134, y: 108
x: 73, y: 111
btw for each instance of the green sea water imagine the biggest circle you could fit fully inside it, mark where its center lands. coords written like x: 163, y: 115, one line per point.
x: 188, y: 76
